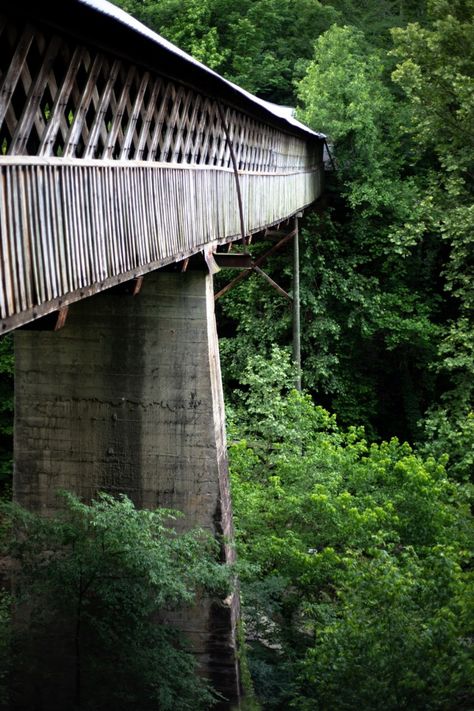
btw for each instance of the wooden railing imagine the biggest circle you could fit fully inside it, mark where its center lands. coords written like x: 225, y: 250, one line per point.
x: 108, y: 170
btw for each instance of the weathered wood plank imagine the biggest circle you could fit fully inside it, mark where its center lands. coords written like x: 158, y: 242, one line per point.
x: 132, y: 122
x: 182, y: 125
x: 77, y: 126
x: 71, y: 225
x: 118, y: 113
x: 57, y: 120
x: 7, y: 299
x: 144, y: 137
x: 33, y: 99
x: 177, y: 124
x: 101, y: 111
x: 171, y: 119
x: 13, y: 74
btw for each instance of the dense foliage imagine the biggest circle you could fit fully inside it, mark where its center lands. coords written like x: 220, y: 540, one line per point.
x: 89, y: 584
x: 264, y: 45
x: 386, y: 284
x: 357, y: 581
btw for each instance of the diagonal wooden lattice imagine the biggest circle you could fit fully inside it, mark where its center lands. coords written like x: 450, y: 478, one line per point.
x: 60, y: 99
x: 108, y: 171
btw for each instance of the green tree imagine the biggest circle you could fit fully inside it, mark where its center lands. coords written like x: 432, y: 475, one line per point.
x: 262, y: 46
x: 357, y: 578
x: 396, y: 638
x: 90, y: 588
x: 369, y: 287
x: 435, y: 71
x: 376, y: 19
x: 189, y: 24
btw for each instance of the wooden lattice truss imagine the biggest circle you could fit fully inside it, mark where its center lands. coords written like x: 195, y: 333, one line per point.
x: 61, y: 99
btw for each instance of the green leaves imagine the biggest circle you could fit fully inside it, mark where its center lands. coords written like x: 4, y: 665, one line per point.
x: 393, y: 640
x: 435, y: 69
x: 261, y: 45
x: 344, y: 95
x: 356, y: 566
x: 106, y: 573
x: 5, y: 641
x: 402, y: 240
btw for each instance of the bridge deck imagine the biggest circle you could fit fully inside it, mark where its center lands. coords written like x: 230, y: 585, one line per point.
x: 111, y: 166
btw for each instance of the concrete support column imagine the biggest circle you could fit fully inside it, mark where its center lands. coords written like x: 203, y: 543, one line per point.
x: 128, y: 398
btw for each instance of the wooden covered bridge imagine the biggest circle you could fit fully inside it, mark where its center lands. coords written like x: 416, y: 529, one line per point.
x: 119, y: 155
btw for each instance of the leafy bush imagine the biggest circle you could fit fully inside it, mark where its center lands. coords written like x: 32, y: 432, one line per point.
x: 91, y: 587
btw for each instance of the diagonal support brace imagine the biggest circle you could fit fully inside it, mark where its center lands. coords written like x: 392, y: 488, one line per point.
x: 245, y: 274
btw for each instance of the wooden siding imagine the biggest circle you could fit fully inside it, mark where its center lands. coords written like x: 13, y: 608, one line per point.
x: 108, y: 171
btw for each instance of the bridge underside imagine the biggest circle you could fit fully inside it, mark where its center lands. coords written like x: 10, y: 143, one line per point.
x: 127, y: 399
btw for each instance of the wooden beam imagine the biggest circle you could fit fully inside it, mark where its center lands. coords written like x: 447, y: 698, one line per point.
x: 257, y: 263
x: 54, y: 321
x: 272, y: 283
x: 137, y: 286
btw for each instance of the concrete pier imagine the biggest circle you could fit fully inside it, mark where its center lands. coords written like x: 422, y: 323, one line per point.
x: 127, y: 398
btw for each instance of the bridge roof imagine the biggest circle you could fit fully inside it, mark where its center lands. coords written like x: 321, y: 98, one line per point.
x: 105, y: 25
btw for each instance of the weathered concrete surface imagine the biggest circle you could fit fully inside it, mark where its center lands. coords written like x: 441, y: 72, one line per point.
x: 127, y: 398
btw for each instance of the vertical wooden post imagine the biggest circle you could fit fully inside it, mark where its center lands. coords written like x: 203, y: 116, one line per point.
x: 296, y: 305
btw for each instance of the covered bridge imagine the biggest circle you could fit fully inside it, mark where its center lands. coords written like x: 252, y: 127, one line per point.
x: 119, y: 155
